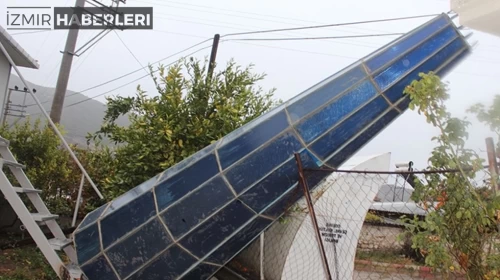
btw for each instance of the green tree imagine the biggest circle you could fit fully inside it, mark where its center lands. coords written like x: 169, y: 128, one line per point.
x: 189, y: 112
x: 460, y: 230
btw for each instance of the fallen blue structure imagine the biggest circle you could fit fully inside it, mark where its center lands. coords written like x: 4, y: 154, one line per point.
x: 190, y: 220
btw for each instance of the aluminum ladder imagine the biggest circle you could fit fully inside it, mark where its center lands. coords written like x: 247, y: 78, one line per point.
x: 33, y: 221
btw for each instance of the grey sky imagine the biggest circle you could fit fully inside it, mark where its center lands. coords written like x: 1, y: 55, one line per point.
x: 291, y: 67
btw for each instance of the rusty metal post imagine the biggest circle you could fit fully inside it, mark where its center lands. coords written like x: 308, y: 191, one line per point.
x: 307, y: 195
x: 493, y: 165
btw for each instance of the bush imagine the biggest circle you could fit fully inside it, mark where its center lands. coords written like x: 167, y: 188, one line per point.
x: 50, y: 168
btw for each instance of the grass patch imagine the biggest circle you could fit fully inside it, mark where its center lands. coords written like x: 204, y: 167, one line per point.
x: 25, y: 263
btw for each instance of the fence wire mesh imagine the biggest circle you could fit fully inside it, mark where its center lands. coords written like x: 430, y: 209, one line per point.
x: 359, y: 218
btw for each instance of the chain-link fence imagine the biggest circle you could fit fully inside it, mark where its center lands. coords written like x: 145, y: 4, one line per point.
x: 354, y: 227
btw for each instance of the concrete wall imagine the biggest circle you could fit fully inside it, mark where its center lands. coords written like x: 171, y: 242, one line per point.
x: 380, y: 237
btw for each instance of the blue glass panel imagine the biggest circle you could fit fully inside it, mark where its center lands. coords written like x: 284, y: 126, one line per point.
x: 99, y: 269
x: 170, y: 172
x: 126, y: 218
x: 396, y: 70
x: 404, y: 104
x: 137, y: 249
x: 445, y: 70
x: 284, y: 202
x: 212, y: 232
x: 252, y: 139
x: 293, y: 194
x: 323, y: 120
x: 362, y: 139
x: 168, y: 266
x: 271, y: 187
x: 319, y: 97
x: 185, y: 181
x: 127, y: 197
x: 330, y: 142
x: 261, y: 162
x: 202, y: 272
x: 402, y: 46
x: 196, y: 207
x: 87, y: 243
x: 92, y: 216
x: 278, y: 182
x: 396, y: 92
x: 239, y: 241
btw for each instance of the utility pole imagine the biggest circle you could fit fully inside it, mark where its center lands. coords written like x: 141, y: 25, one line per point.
x: 213, y: 55
x: 64, y: 71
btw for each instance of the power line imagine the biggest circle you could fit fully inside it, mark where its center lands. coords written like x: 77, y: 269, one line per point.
x: 31, y: 32
x: 316, y: 38
x: 126, y: 84
x: 130, y: 51
x: 137, y: 70
x: 233, y: 15
x: 330, y: 25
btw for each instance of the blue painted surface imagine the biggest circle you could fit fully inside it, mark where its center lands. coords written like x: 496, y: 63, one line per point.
x: 168, y: 266
x: 121, y: 221
x: 187, y: 213
x: 386, y: 55
x: 133, y: 252
x: 320, y: 122
x: 257, y: 165
x: 99, y: 268
x: 325, y: 93
x: 217, y: 228
x: 238, y: 241
x: 87, y: 243
x: 195, y: 216
x: 180, y: 184
x: 251, y: 140
x: 386, y: 77
x: 325, y: 145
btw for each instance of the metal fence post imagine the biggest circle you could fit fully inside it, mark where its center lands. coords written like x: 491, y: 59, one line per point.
x: 493, y: 165
x: 312, y: 214
x: 78, y: 198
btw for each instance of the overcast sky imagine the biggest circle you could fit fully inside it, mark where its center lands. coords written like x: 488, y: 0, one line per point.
x: 291, y: 66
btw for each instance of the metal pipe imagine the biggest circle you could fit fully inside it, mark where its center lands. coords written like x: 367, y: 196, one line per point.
x: 56, y: 130
x: 77, y: 205
x: 262, y: 256
x: 492, y: 161
x: 312, y: 214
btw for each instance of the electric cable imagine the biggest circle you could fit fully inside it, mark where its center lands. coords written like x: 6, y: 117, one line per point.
x: 330, y: 25
x: 126, y: 84
x: 316, y: 38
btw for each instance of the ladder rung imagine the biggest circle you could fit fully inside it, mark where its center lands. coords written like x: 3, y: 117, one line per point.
x: 43, y: 217
x: 24, y: 190
x: 74, y: 271
x: 4, y: 142
x: 59, y: 243
x: 12, y: 163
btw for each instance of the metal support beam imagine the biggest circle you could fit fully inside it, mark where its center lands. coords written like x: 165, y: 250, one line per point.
x: 78, y: 198
x: 262, y: 256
